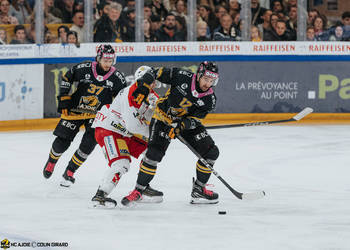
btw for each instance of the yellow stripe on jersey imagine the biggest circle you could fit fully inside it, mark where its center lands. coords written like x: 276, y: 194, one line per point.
x: 203, y: 169
x: 75, y: 116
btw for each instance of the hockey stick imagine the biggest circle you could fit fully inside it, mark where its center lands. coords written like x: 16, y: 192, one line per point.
x: 241, y: 196
x: 297, y: 117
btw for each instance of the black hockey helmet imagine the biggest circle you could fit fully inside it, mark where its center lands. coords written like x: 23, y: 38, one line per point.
x: 209, y: 69
x: 105, y: 51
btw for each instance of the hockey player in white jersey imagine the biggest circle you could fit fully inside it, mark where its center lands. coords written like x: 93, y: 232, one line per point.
x: 122, y: 131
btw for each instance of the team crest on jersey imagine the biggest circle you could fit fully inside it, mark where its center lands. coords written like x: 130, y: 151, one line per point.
x: 200, y: 102
x: 89, y: 103
x: 184, y: 86
x: 99, y: 78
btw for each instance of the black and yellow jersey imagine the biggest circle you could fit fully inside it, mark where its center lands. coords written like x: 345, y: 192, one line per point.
x: 92, y: 91
x: 182, y: 99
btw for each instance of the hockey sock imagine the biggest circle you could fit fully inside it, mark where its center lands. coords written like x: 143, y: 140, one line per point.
x: 146, y: 174
x: 77, y: 160
x: 54, y: 156
x: 59, y: 146
x: 203, y: 173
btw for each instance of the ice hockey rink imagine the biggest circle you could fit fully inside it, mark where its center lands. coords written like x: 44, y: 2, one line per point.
x: 304, y: 170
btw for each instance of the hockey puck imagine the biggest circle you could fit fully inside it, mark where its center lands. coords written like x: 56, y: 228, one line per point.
x: 222, y: 212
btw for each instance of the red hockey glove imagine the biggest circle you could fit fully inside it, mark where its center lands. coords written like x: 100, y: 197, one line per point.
x: 64, y: 104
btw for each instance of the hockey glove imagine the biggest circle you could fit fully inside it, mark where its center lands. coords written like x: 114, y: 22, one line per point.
x: 143, y: 87
x: 64, y: 104
x: 183, y: 124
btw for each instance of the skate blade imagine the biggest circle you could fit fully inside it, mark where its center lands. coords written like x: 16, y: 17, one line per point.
x: 66, y: 184
x: 151, y: 199
x: 203, y: 201
x: 97, y: 205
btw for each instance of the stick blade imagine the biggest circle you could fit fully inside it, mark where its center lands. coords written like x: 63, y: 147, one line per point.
x: 303, y: 113
x: 253, y: 196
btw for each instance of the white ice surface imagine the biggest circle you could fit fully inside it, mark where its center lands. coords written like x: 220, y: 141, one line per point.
x: 304, y: 170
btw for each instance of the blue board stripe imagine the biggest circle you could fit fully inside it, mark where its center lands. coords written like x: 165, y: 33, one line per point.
x: 283, y: 58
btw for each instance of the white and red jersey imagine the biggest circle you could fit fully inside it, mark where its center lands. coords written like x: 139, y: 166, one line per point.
x: 124, y: 116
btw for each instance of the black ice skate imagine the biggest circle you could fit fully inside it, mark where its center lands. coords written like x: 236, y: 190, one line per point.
x: 150, y: 195
x: 201, y: 195
x: 100, y: 200
x: 68, y: 178
x: 132, y: 198
x: 48, y: 169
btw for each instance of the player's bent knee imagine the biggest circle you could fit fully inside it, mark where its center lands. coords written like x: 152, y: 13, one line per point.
x: 154, y: 155
x: 61, y: 144
x: 213, y: 153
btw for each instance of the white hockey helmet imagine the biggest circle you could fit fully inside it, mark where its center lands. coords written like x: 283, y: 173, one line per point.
x: 141, y: 71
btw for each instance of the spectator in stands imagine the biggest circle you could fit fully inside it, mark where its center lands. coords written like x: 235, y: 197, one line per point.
x: 257, y: 12
x: 181, y: 26
x: 310, y: 33
x: 3, y: 36
x: 280, y: 33
x: 226, y: 31
x: 345, y: 19
x: 49, y: 18
x: 159, y: 9
x: 67, y: 9
x: 320, y: 26
x: 219, y: 12
x: 148, y: 35
x: 277, y: 6
x: 50, y: 8
x: 5, y: 17
x: 72, y: 38
x: 273, y: 20
x: 234, y: 7
x: 102, y: 9
x: 168, y: 32
x: 180, y: 9
x: 292, y: 21
x: 108, y: 27
x: 49, y: 37
x: 155, y: 23
x: 128, y: 26
x: 20, y: 9
x: 312, y: 14
x: 62, y: 32
x: 255, y: 34
x: 336, y: 34
x: 266, y: 25
x: 20, y: 35
x: 30, y: 31
x: 147, y: 12
x: 202, y: 34
x: 78, y: 25
x: 208, y: 16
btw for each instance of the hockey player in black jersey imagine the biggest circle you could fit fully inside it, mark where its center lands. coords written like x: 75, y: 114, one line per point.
x: 189, y: 99
x: 98, y: 82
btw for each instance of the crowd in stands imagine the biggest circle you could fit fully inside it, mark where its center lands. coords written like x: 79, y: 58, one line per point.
x: 164, y: 20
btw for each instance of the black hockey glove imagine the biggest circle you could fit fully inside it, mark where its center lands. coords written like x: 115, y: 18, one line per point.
x: 184, y: 124
x: 64, y: 104
x: 143, y: 87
